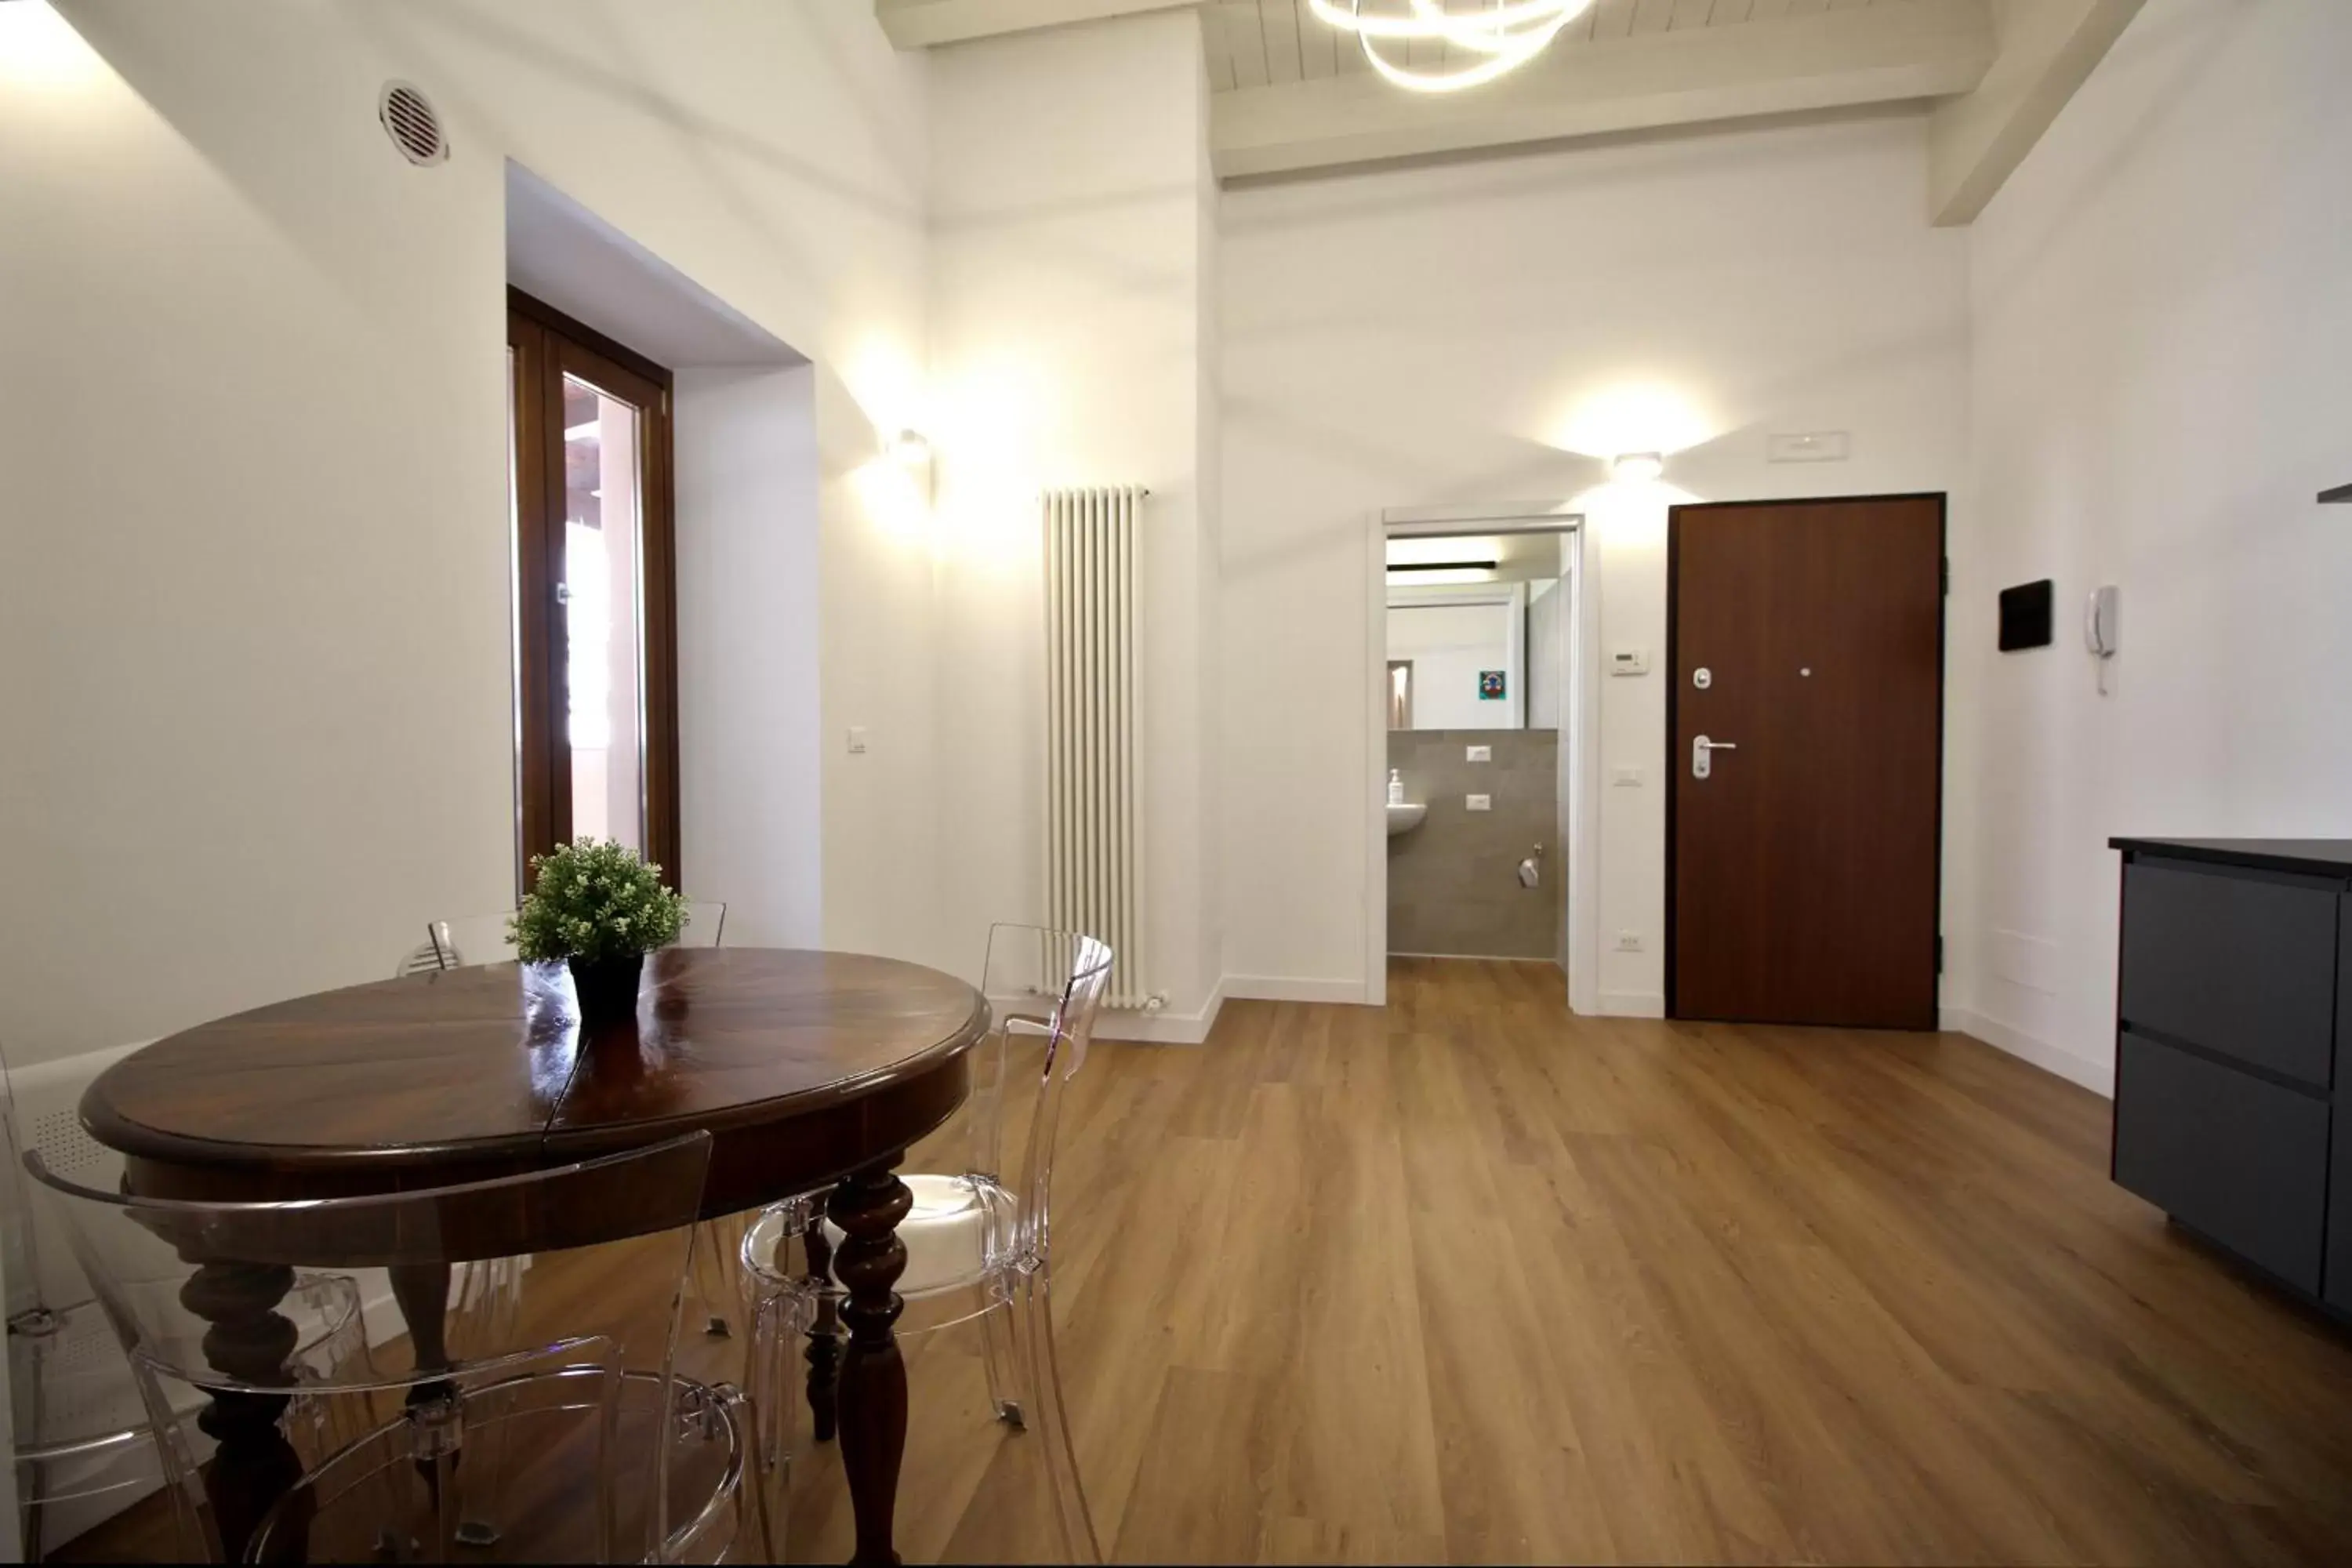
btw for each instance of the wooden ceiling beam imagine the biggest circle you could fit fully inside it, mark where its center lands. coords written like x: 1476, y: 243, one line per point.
x: 921, y: 24
x: 1895, y: 51
x: 2048, y: 49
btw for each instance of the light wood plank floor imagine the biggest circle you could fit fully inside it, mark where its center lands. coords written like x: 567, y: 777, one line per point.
x: 1469, y: 1278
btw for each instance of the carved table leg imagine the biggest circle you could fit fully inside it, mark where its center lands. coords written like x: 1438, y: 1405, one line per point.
x: 423, y: 1291
x: 867, y: 1206
x: 823, y: 1353
x: 254, y: 1465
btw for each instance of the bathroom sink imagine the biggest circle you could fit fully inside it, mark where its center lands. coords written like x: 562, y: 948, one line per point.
x: 1405, y: 818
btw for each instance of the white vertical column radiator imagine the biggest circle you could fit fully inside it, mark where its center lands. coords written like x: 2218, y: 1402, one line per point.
x: 1094, y: 727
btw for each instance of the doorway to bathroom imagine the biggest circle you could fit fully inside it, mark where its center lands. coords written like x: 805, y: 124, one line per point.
x: 1480, y: 730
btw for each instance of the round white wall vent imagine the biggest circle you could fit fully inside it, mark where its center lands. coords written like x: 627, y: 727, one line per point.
x: 409, y: 120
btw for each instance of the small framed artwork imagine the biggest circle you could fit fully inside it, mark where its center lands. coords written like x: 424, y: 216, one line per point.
x: 1491, y: 686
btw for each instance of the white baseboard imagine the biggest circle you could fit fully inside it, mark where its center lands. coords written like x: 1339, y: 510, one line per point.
x: 1163, y: 1028
x: 1478, y: 957
x: 1285, y: 988
x: 2098, y: 1077
x: 1632, y: 1003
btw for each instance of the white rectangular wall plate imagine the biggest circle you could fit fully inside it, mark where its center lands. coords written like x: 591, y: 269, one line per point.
x: 1629, y: 662
x: 1479, y: 753
x: 1808, y: 447
x: 1478, y: 802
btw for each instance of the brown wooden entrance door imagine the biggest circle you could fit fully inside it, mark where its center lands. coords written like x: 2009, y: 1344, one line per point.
x: 1805, y: 647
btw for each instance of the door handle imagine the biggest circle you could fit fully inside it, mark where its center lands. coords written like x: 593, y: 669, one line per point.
x: 1702, y: 754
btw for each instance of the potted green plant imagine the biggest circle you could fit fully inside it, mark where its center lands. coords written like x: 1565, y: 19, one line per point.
x: 601, y: 910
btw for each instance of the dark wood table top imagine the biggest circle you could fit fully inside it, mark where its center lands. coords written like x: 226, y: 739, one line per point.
x: 801, y: 1065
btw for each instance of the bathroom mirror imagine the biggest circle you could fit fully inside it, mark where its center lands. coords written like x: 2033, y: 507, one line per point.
x: 1473, y: 630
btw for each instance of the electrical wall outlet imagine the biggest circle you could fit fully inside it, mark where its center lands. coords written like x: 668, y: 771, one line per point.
x: 1480, y: 754
x: 1629, y: 941
x: 1627, y: 778
x: 857, y: 740
x: 1478, y: 802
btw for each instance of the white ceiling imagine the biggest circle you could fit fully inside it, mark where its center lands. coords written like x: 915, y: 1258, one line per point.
x: 1273, y: 42
x: 1291, y: 95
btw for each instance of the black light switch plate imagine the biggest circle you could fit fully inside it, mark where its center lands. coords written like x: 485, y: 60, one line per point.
x: 2025, y: 616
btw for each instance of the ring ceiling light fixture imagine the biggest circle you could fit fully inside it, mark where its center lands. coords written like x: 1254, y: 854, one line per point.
x: 1508, y: 34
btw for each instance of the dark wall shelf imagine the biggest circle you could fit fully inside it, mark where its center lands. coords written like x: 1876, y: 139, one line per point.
x: 2341, y: 493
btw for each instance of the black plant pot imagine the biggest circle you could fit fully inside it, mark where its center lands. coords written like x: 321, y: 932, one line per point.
x: 607, y: 987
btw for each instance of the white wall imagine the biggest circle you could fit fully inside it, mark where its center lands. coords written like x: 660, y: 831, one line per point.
x: 254, y: 643
x: 1461, y: 333
x: 1547, y: 658
x: 1450, y: 646
x: 2163, y: 310
x: 751, y: 714
x: 1070, y: 247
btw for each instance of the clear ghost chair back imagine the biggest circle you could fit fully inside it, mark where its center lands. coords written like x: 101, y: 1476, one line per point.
x: 80, y: 1427
x: 20, y: 1254
x: 600, y: 1249
x: 705, y: 925
x: 483, y: 940
x: 1044, y: 989
x: 975, y: 1244
x: 42, y: 1103
x: 476, y: 939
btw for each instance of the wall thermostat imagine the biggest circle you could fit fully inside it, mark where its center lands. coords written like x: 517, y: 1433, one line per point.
x: 1629, y: 662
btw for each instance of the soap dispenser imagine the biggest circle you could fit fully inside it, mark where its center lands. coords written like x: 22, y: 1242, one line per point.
x: 1396, y: 787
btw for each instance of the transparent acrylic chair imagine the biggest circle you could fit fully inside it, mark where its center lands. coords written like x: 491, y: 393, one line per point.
x: 560, y: 1423
x: 482, y: 938
x: 476, y: 939
x: 84, y: 1448
x: 81, y: 1445
x: 716, y: 1283
x: 977, y: 1244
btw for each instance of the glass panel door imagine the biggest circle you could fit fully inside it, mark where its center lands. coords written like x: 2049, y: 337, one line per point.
x: 595, y: 662
x: 603, y: 647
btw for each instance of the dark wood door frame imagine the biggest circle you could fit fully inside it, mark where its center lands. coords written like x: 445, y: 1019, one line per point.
x: 546, y: 346
x: 1934, y: 958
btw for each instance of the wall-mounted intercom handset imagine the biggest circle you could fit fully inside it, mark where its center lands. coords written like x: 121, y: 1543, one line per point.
x: 2102, y: 627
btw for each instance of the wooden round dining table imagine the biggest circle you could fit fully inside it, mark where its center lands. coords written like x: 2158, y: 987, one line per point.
x: 809, y: 1069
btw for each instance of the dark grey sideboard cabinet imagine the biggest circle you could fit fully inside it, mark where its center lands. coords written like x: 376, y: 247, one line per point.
x: 2233, y: 1048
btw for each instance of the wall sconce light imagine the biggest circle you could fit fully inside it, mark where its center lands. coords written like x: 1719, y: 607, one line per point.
x: 908, y: 450
x: 1639, y: 468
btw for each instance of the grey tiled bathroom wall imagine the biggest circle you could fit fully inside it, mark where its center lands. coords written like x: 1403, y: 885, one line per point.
x: 1453, y: 884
